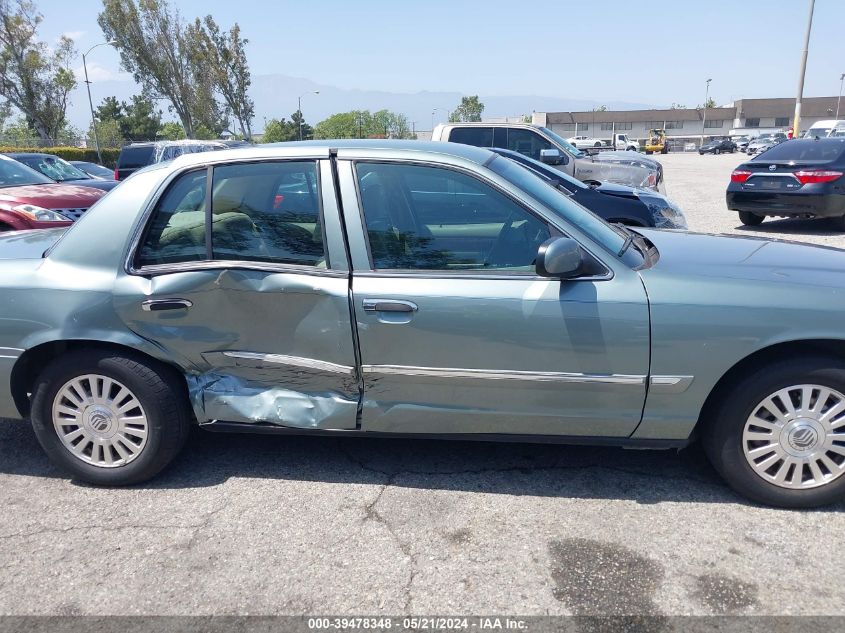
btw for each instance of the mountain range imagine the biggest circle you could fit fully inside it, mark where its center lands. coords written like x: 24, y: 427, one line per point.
x: 276, y: 95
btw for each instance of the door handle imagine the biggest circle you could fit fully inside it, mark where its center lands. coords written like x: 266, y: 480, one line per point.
x: 156, y: 305
x: 389, y: 305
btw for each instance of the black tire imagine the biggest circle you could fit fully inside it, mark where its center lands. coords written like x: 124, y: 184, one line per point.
x: 156, y: 386
x: 722, y: 433
x: 717, y: 151
x: 700, y: 153
x: 596, y: 144
x: 750, y: 219
x: 665, y: 149
x: 649, y: 152
x: 838, y: 223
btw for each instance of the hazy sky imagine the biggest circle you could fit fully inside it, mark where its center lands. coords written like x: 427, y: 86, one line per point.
x: 648, y: 51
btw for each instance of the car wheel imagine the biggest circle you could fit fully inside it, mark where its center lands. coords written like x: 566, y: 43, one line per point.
x: 700, y: 153
x: 717, y: 151
x: 649, y: 152
x: 108, y: 418
x: 779, y: 436
x: 596, y: 144
x: 750, y: 219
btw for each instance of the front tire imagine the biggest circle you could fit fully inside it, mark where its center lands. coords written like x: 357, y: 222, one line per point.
x: 110, y: 418
x: 779, y: 435
x: 717, y: 151
x: 750, y: 219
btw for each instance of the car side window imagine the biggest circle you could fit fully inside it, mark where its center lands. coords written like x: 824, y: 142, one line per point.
x: 434, y: 218
x: 267, y: 212
x: 527, y: 142
x: 477, y: 136
x: 176, y: 231
x: 263, y: 212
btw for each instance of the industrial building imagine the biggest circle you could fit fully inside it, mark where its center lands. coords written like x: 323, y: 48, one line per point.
x: 743, y: 116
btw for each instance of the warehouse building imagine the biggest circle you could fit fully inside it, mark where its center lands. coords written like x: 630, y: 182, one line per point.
x: 744, y: 116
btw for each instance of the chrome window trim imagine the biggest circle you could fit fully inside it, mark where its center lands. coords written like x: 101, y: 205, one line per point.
x: 505, y: 374
x: 139, y: 229
x: 492, y: 275
x: 294, y: 361
x: 206, y: 264
x: 553, y: 226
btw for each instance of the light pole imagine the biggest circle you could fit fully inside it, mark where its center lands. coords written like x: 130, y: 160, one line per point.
x: 90, y: 102
x: 704, y: 110
x: 796, y: 126
x: 299, y: 109
x: 432, y: 115
x: 839, y: 98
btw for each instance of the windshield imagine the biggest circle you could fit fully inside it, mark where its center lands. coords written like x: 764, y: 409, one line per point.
x: 54, y: 167
x: 605, y: 234
x: 564, y: 144
x: 13, y: 174
x: 819, y: 131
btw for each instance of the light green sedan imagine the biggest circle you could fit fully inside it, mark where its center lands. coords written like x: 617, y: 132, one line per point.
x: 415, y: 289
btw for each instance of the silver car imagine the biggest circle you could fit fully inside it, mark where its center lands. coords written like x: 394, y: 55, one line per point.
x: 415, y: 289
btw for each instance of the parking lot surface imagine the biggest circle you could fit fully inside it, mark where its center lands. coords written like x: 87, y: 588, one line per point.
x: 292, y: 525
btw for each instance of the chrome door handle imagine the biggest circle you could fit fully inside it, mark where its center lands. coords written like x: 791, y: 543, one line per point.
x: 389, y: 305
x: 156, y: 305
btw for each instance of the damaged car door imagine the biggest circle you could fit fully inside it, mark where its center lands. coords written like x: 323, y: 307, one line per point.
x: 240, y: 276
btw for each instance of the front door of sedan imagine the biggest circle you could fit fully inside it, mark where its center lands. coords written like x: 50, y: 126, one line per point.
x: 457, y: 332
x: 240, y: 277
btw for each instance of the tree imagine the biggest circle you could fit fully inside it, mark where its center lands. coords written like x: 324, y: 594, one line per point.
x: 142, y: 121
x: 34, y: 78
x: 601, y: 108
x: 225, y: 56
x: 307, y: 131
x: 171, y: 131
x: 19, y: 133
x: 151, y: 40
x: 363, y: 124
x: 470, y: 109
x: 711, y: 103
x: 677, y: 106
x: 110, y: 110
x: 279, y: 130
x: 109, y: 133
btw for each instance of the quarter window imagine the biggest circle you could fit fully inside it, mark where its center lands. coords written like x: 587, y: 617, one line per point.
x: 430, y: 218
x: 265, y: 212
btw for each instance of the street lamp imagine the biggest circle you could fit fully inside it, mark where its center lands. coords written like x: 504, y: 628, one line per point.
x: 841, y: 79
x: 90, y: 102
x: 432, y: 115
x: 796, y: 126
x: 704, y: 110
x: 299, y: 108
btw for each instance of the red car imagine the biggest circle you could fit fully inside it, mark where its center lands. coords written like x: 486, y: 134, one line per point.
x: 30, y: 200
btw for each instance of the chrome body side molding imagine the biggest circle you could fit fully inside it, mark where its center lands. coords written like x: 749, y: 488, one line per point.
x: 294, y: 361
x: 504, y: 374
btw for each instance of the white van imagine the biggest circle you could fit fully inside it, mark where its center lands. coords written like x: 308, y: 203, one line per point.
x: 823, y: 129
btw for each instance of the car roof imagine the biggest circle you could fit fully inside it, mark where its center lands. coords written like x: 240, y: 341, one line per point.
x: 302, y: 148
x: 30, y: 155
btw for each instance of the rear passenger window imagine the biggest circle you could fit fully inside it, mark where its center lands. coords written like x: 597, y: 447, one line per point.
x: 265, y: 212
x: 477, y: 136
x: 176, y: 232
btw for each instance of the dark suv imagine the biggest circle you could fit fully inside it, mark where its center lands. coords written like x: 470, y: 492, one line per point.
x: 137, y: 155
x: 717, y: 146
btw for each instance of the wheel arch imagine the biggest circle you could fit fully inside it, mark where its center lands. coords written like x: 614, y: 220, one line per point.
x: 833, y: 348
x: 31, y: 362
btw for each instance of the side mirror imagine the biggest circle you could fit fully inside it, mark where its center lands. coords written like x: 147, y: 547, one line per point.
x: 551, y: 156
x: 560, y: 257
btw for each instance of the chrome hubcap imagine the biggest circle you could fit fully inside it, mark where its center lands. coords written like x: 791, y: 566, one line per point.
x: 100, y: 421
x: 795, y: 438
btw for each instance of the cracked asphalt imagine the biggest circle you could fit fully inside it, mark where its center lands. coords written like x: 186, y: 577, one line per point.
x: 314, y: 525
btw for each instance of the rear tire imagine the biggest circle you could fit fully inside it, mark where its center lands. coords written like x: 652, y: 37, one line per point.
x: 717, y: 151
x: 109, y: 439
x: 784, y: 405
x: 750, y: 219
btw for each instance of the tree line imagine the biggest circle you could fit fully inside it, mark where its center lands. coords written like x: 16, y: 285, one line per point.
x: 197, y: 69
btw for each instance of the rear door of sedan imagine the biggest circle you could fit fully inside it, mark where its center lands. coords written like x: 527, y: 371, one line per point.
x: 457, y: 332
x: 240, y: 275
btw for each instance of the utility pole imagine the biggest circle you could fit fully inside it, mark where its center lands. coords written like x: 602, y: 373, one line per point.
x: 299, y: 109
x: 796, y: 125
x: 704, y: 110
x: 90, y: 102
x: 839, y: 98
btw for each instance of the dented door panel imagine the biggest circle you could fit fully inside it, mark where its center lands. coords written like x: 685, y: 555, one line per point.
x: 257, y: 346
